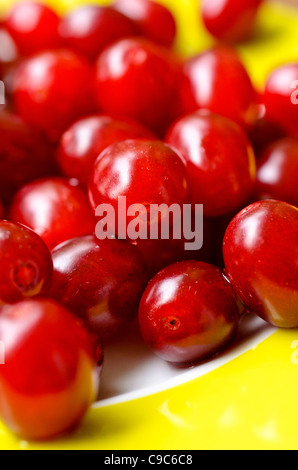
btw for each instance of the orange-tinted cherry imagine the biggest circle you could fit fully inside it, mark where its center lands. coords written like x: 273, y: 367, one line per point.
x: 278, y: 170
x: 55, y: 209
x: 24, y: 154
x: 89, y: 29
x: 126, y: 84
x: 33, y: 26
x: 83, y: 142
x: 188, y: 312
x: 281, y: 97
x: 153, y: 20
x: 217, y: 80
x: 230, y: 20
x: 50, y: 375
x: 261, y: 259
x: 101, y: 281
x: 220, y: 161
x: 26, y: 264
x: 145, y: 172
x: 52, y: 89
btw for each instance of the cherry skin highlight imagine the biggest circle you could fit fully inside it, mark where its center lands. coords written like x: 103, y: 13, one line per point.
x: 230, y: 20
x: 84, y: 141
x: 220, y: 161
x: 57, y: 380
x: 26, y: 264
x: 101, y: 281
x: 132, y: 89
x: 281, y: 97
x: 33, y: 26
x: 54, y: 209
x: 25, y: 155
x: 89, y: 29
x: 52, y: 89
x: 154, y: 174
x: 188, y: 313
x: 278, y: 170
x: 218, y: 81
x: 153, y: 20
x: 261, y: 259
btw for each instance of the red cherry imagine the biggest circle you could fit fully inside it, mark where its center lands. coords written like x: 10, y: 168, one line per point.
x: 230, y: 20
x: 54, y: 209
x: 26, y: 264
x: 126, y: 84
x: 33, y: 26
x: 24, y: 154
x: 89, y: 29
x: 278, y: 170
x: 281, y: 97
x: 154, y: 21
x: 220, y: 161
x: 49, y: 378
x: 188, y: 312
x: 52, y: 89
x: 145, y: 172
x: 83, y: 142
x: 217, y: 80
x: 101, y: 281
x: 264, y: 132
x: 158, y: 254
x: 261, y: 258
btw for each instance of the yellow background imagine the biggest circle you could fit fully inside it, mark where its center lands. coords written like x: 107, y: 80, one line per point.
x: 251, y: 402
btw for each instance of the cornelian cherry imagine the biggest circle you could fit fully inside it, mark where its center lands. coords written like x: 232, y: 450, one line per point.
x: 55, y: 209
x: 101, y: 281
x: 126, y: 84
x: 153, y: 20
x: 218, y: 81
x: 52, y: 89
x: 278, y: 170
x: 26, y: 264
x: 50, y: 375
x: 25, y: 154
x: 145, y: 172
x: 188, y: 312
x: 261, y: 258
x: 83, y: 142
x: 281, y: 97
x: 89, y: 29
x: 230, y: 20
x: 33, y: 26
x: 220, y: 161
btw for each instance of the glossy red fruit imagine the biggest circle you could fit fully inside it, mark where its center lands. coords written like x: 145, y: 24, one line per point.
x: 261, y: 258
x: 220, y: 161
x: 126, y: 84
x: 264, y: 131
x: 158, y: 254
x: 84, y: 141
x: 281, y: 97
x: 230, y: 20
x: 55, y: 209
x: 33, y: 26
x: 52, y: 89
x: 49, y: 378
x: 218, y: 81
x: 89, y: 29
x: 188, y: 312
x: 145, y: 172
x: 101, y: 281
x: 278, y: 170
x: 153, y: 20
x: 26, y: 264
x: 25, y: 155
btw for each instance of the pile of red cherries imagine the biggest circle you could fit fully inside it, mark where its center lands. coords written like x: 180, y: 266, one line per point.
x: 99, y: 106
